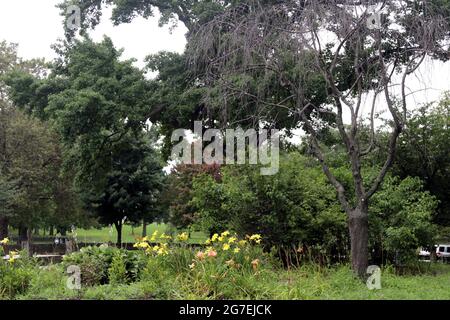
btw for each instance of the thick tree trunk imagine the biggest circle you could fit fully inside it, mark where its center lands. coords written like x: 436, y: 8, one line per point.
x: 359, y: 236
x: 144, y: 228
x: 118, y: 226
x: 23, y: 236
x: 3, y: 228
x: 30, y: 241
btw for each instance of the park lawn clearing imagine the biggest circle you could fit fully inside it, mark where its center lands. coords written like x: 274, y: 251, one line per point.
x: 129, y: 234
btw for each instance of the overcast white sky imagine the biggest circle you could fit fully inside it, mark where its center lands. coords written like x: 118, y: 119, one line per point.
x: 36, y: 24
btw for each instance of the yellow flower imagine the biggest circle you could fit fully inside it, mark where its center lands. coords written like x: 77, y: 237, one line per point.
x: 232, y: 240
x: 208, y: 242
x: 143, y: 245
x: 154, y: 235
x: 214, y: 237
x: 163, y: 252
x: 4, y: 241
x: 192, y: 266
x: 13, y: 255
x: 237, y: 250
x: 226, y: 247
x: 165, y: 237
x: 242, y: 243
x: 183, y: 237
x: 221, y: 238
x: 225, y: 234
x: 257, y: 238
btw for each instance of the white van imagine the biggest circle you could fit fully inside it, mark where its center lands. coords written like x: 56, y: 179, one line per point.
x: 443, y: 252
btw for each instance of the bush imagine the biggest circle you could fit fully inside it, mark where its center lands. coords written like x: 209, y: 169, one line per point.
x: 298, y: 212
x: 49, y: 283
x: 97, y: 265
x: 401, y: 215
x: 297, y: 207
x: 228, y: 267
x: 15, y: 274
x: 117, y: 272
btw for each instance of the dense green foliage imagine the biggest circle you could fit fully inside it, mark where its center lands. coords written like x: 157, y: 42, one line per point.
x: 97, y: 104
x: 298, y: 209
x: 178, y: 194
x: 106, y: 265
x: 423, y: 153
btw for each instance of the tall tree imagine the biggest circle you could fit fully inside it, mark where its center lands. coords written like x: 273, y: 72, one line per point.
x: 132, y: 185
x: 7, y: 199
x: 423, y: 152
x: 9, y: 60
x: 179, y: 192
x: 98, y: 104
x: 327, y: 56
x: 189, y: 12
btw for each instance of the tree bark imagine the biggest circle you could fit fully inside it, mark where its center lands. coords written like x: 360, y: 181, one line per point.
x: 118, y: 226
x: 23, y: 236
x: 144, y: 228
x: 3, y: 228
x: 359, y: 236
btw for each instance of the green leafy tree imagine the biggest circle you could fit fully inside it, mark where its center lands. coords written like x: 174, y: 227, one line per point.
x: 132, y: 187
x: 179, y: 192
x: 295, y: 207
x: 99, y: 106
x: 401, y: 220
x: 32, y: 178
x: 423, y: 152
x: 7, y: 200
x: 32, y: 166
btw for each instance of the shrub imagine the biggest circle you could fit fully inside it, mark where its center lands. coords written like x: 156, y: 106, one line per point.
x: 49, y: 283
x: 401, y: 216
x: 15, y: 274
x: 97, y: 264
x: 226, y: 264
x: 295, y: 207
x: 117, y: 272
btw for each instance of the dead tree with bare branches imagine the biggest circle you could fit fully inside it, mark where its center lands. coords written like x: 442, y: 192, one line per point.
x: 315, y: 62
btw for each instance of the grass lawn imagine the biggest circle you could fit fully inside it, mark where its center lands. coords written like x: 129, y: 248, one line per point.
x: 129, y: 234
x: 306, y: 283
